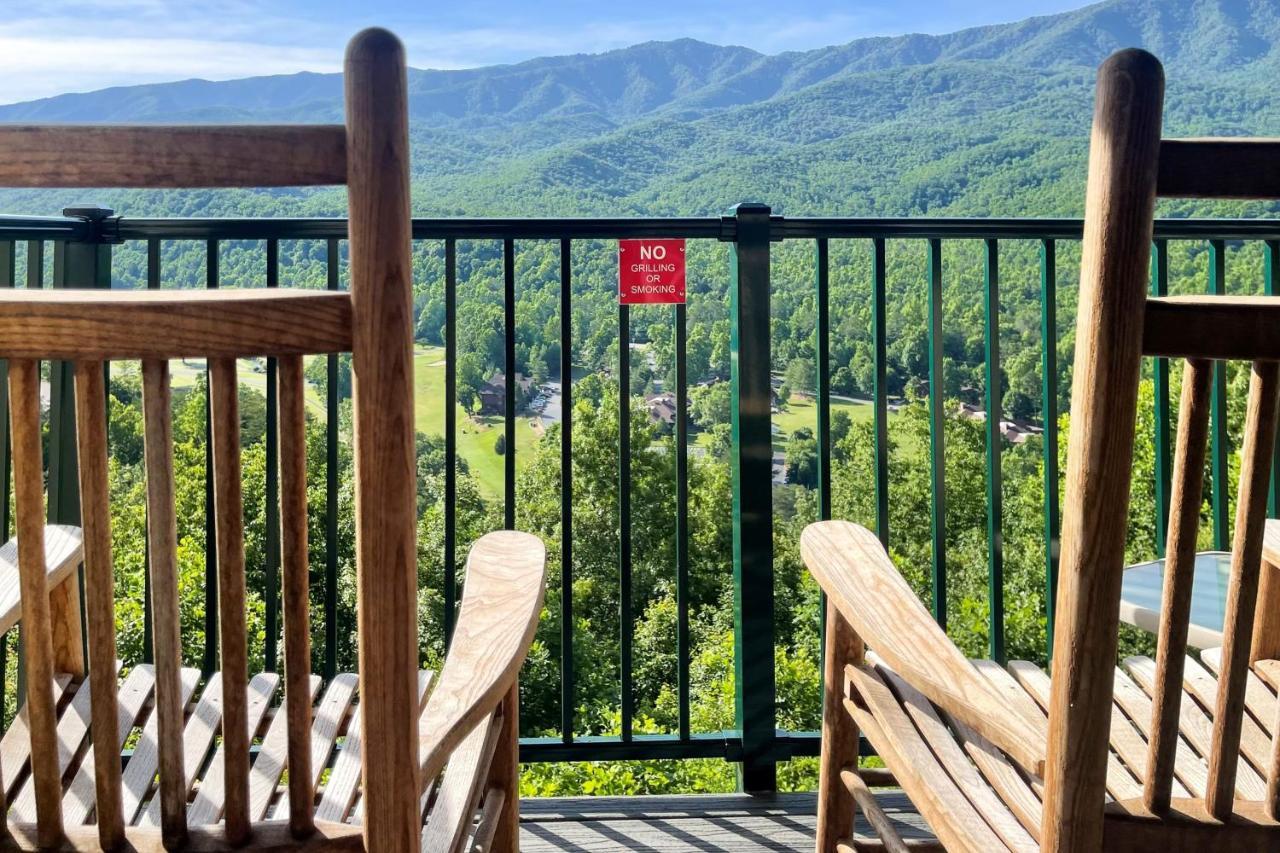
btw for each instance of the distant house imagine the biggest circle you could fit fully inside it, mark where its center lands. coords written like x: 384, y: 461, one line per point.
x: 662, y: 409
x: 493, y: 394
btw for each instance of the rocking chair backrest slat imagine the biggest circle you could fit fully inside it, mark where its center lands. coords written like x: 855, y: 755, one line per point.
x: 374, y: 322
x: 224, y: 422
x: 296, y: 590
x: 162, y: 568
x: 1242, y: 593
x: 28, y: 482
x: 1184, y: 523
x: 99, y: 596
x: 1129, y: 166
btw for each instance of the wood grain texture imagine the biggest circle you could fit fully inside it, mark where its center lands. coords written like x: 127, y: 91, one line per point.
x: 1223, y: 167
x: 65, y: 624
x: 1213, y: 327
x: 296, y: 590
x: 167, y: 324
x: 856, y: 788
x: 202, y: 727
x: 504, y: 775
x: 15, y: 745
x: 267, y: 838
x: 273, y: 754
x: 63, y: 552
x: 941, y: 802
x: 141, y: 769
x: 28, y: 490
x: 1127, y: 765
x: 1119, y: 209
x: 501, y: 601
x: 1189, y: 828
x: 1188, y: 767
x: 839, y: 734
x: 495, y: 802
x: 82, y: 794
x: 241, y: 155
x: 209, y: 804
x: 451, y: 816
x: 1242, y: 591
x: 1197, y: 727
x: 1180, y: 559
x: 385, y: 461
x: 99, y: 593
x: 1001, y: 773
x: 224, y: 424
x: 942, y: 742
x: 850, y: 564
x: 327, y: 723
x: 1266, y: 620
x: 162, y: 532
x: 73, y: 725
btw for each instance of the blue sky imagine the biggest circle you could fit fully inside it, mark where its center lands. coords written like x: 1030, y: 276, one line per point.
x: 53, y: 46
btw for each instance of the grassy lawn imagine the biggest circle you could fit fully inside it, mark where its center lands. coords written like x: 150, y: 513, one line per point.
x: 476, y: 436
x: 802, y: 412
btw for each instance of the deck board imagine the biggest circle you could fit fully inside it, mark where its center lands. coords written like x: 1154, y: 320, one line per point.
x: 733, y: 823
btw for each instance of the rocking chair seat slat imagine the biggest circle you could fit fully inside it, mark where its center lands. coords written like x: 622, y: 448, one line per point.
x: 901, y: 724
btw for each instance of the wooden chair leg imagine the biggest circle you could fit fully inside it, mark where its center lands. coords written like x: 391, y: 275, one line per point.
x: 504, y: 774
x: 68, y: 635
x: 839, y: 735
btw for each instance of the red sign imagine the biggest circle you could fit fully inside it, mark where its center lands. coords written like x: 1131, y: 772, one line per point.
x: 650, y: 271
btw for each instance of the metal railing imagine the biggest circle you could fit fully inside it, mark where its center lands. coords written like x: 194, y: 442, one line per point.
x: 81, y: 248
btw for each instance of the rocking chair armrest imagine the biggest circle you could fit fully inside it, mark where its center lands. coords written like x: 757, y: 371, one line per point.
x: 858, y: 577
x: 63, y: 553
x: 501, y: 603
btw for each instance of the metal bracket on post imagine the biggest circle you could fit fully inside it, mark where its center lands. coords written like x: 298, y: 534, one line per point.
x: 752, y: 465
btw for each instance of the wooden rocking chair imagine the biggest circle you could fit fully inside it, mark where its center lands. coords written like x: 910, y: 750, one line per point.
x: 389, y: 773
x: 1172, y: 754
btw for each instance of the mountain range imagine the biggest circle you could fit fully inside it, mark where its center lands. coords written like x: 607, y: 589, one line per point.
x: 985, y: 121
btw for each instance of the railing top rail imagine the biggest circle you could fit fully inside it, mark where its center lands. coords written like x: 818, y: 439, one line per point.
x: 610, y: 228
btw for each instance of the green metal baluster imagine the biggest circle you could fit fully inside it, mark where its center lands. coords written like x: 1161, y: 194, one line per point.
x: 148, y: 645
x: 880, y: 393
x: 509, y: 360
x: 1049, y: 414
x: 333, y: 396
x: 682, y: 522
x: 752, y: 468
x: 937, y: 442
x: 994, y: 406
x: 1160, y: 387
x: 1218, y: 413
x: 1271, y: 269
x: 210, y: 662
x: 822, y: 346
x: 626, y: 620
x: 450, y: 437
x: 567, y: 691
x: 272, y: 533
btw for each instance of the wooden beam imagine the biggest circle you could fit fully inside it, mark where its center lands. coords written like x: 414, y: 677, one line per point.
x: 1225, y: 167
x: 1222, y: 328
x: 100, y: 325
x: 172, y: 156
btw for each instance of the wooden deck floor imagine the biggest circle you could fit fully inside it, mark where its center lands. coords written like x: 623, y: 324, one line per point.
x: 734, y: 823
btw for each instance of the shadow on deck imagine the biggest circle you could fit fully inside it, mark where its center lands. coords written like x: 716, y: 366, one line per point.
x: 734, y: 823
